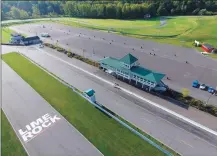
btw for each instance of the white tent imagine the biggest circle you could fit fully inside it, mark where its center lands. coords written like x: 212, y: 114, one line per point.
x: 197, y: 42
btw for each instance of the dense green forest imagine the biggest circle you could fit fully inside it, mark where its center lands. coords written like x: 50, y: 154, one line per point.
x: 122, y: 9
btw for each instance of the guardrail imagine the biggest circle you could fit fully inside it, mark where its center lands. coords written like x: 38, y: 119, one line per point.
x: 103, y: 110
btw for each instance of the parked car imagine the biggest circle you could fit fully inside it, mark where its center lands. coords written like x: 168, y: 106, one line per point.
x: 41, y: 45
x: 195, y: 84
x: 115, y: 85
x: 203, y: 86
x: 211, y: 90
x: 160, y: 89
x: 45, y: 35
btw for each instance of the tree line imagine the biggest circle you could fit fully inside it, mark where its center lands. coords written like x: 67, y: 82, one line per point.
x: 122, y: 9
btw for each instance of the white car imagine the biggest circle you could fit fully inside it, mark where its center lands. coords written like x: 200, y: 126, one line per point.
x: 203, y: 86
x: 45, y: 35
x: 205, y: 53
x: 41, y: 46
x: 160, y: 89
x: 115, y: 85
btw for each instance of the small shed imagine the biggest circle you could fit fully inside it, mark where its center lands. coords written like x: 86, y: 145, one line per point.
x: 207, y: 47
x: 91, y: 94
x: 31, y: 40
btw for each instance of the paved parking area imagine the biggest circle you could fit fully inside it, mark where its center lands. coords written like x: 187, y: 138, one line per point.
x: 169, y: 59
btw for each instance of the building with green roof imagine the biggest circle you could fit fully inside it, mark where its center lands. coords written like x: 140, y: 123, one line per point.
x: 128, y: 68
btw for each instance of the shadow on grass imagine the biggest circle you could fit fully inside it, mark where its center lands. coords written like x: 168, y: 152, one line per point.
x: 105, y: 108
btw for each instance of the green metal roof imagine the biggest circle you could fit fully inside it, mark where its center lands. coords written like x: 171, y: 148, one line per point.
x: 147, y: 74
x: 90, y: 92
x: 114, y: 63
x: 111, y: 61
x: 154, y: 77
x: 137, y: 70
x: 140, y: 71
x: 129, y: 59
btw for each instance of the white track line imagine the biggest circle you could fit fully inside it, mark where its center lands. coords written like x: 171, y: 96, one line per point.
x: 144, y: 119
x: 186, y: 143
x: 137, y: 96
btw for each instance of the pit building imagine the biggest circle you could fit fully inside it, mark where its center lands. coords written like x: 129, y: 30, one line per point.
x: 128, y: 68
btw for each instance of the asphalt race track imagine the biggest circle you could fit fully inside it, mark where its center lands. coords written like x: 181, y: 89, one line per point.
x: 22, y: 105
x: 179, y: 138
x: 168, y: 59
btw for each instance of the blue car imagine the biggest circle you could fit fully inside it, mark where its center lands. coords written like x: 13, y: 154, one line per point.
x: 211, y: 90
x: 195, y: 84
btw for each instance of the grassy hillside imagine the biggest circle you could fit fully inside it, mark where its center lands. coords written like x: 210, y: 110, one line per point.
x: 181, y: 30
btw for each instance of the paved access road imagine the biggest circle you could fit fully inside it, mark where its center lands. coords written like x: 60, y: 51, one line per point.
x: 23, y: 105
x: 162, y: 127
x: 99, y: 44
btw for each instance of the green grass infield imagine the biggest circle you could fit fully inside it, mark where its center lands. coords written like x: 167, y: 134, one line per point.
x: 6, y: 34
x: 11, y: 145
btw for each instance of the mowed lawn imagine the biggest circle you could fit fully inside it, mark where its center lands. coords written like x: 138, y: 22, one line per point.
x: 6, y: 34
x: 181, y: 30
x: 112, y: 23
x: 203, y: 30
x: 106, y: 134
x: 172, y: 27
x: 11, y: 146
x: 140, y: 27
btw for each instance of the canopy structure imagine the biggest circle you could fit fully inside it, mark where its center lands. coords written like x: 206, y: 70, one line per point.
x: 89, y: 92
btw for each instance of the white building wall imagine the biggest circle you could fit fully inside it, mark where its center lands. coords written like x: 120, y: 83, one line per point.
x: 131, y: 77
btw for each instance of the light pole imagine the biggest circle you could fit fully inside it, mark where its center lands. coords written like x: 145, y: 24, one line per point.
x: 83, y: 52
x: 209, y: 98
x: 93, y: 53
x: 216, y: 90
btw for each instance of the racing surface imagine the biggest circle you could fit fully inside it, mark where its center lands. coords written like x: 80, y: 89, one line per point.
x: 179, y: 136
x: 23, y: 106
x: 168, y: 59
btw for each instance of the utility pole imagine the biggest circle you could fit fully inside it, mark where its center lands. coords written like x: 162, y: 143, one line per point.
x: 209, y: 98
x: 216, y: 90
x: 83, y: 52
